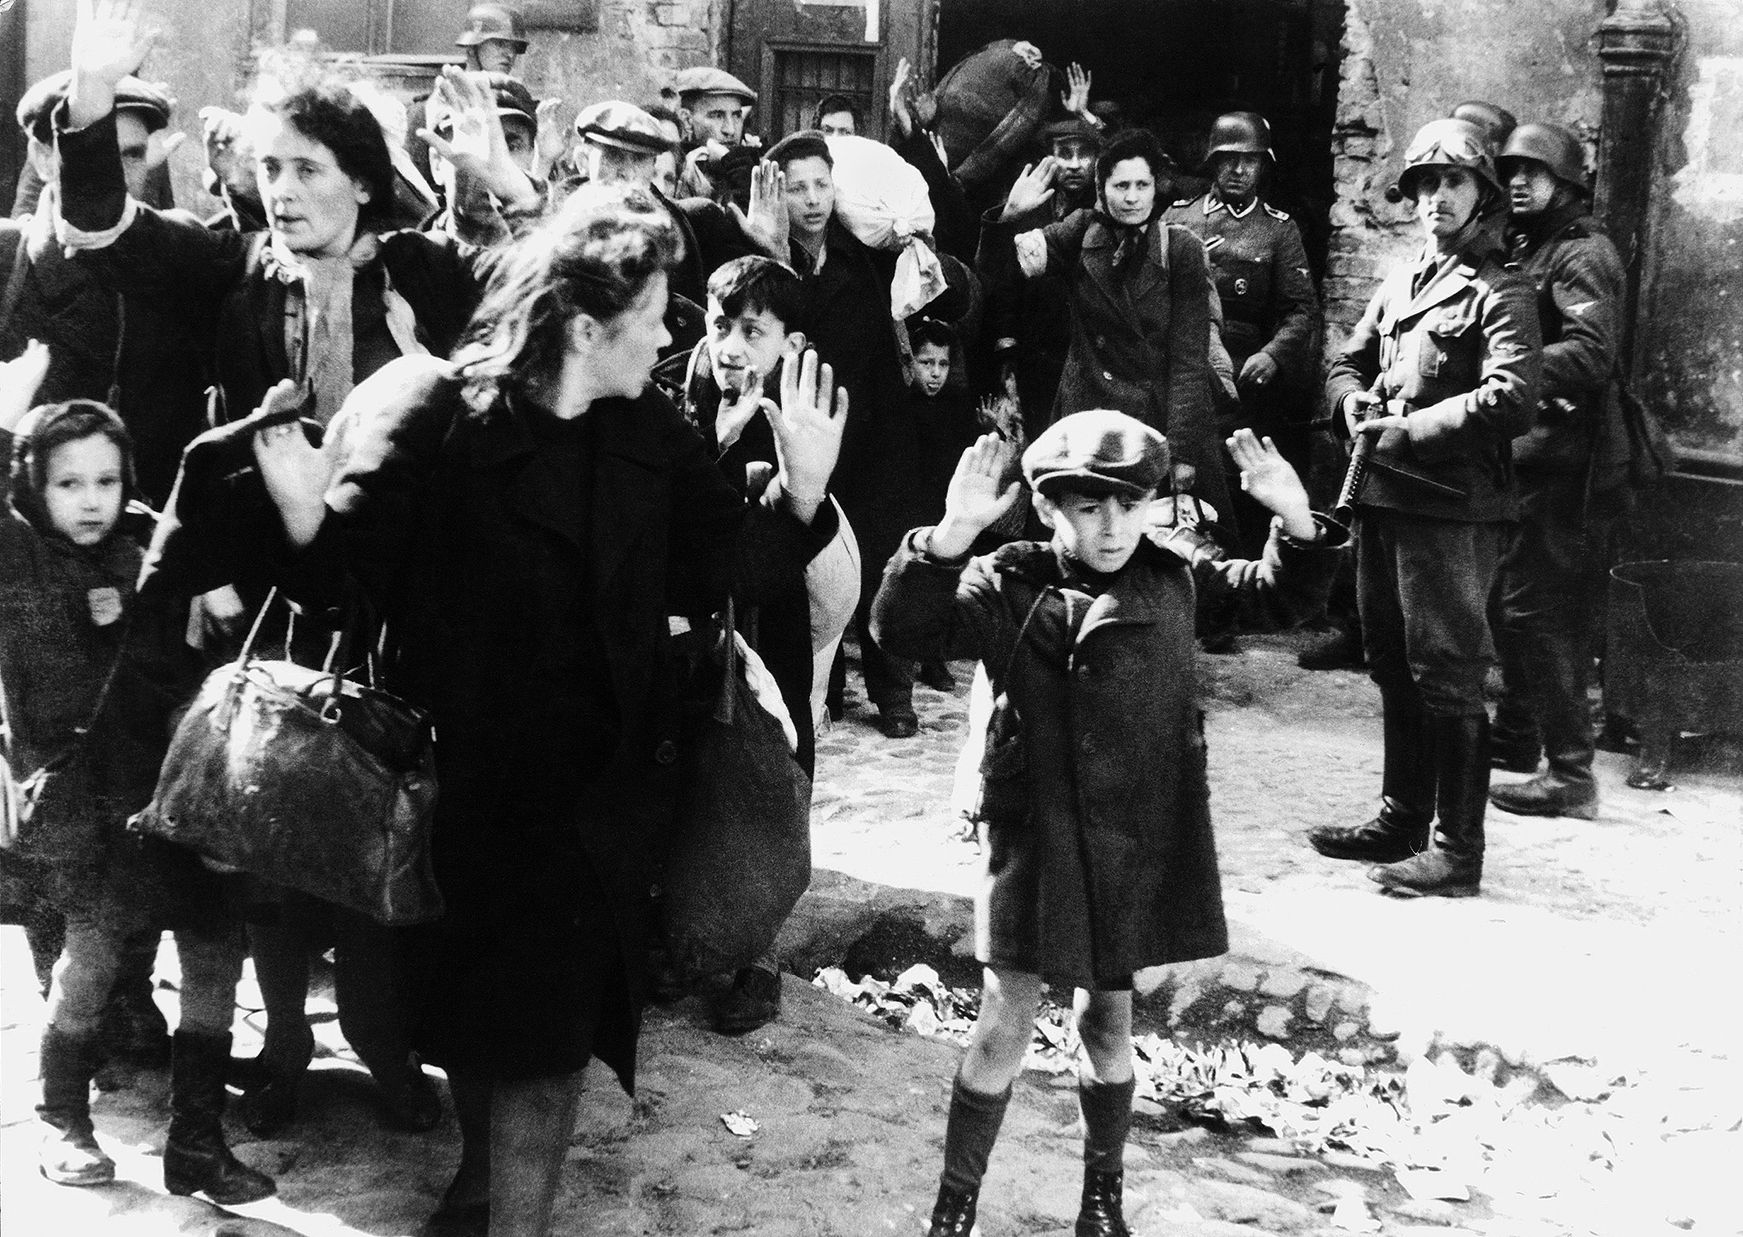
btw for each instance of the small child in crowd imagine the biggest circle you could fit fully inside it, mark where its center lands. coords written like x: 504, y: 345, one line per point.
x: 1099, y: 852
x: 944, y: 426
x: 90, y: 679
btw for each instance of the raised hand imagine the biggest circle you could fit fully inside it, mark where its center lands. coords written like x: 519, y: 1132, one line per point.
x: 766, y: 223
x: 738, y: 408
x: 226, y: 153
x: 900, y: 85
x: 1075, y: 97
x: 110, y: 41
x: 552, y: 142
x: 1272, y: 482
x: 296, y: 472
x: 977, y: 496
x: 808, y: 427
x: 476, y: 145
x: 1032, y: 190
x: 19, y: 379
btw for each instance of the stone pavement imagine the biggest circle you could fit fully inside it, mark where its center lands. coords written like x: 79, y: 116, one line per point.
x: 1601, y: 958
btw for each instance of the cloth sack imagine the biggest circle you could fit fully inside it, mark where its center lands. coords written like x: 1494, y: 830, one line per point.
x: 740, y: 855
x: 987, y: 110
x: 307, y: 779
x: 882, y: 199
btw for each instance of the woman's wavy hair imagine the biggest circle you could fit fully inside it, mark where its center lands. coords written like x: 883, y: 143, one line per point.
x: 326, y: 107
x: 595, y: 256
x: 1132, y: 144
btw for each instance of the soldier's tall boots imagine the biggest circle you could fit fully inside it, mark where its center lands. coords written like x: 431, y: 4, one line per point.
x: 196, y: 1159
x: 1561, y: 668
x: 1107, y: 1119
x: 1453, y: 866
x: 1407, y: 790
x: 969, y: 1134
x: 1516, y: 742
x: 69, y: 1154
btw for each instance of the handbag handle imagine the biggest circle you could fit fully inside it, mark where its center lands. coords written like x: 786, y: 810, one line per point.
x: 338, y: 650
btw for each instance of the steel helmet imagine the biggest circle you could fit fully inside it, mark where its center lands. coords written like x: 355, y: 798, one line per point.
x: 493, y: 21
x: 1494, y: 120
x: 1449, y: 143
x: 1240, y: 133
x: 1558, y: 149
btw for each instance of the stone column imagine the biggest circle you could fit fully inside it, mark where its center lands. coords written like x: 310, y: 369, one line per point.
x: 1636, y: 44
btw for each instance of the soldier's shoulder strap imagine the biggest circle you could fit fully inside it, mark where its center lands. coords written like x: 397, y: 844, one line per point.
x: 1275, y: 213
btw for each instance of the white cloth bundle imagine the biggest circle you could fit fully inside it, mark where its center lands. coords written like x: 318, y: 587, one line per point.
x: 881, y: 198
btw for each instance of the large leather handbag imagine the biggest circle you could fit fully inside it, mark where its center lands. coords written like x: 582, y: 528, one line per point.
x: 740, y: 855
x: 308, y: 779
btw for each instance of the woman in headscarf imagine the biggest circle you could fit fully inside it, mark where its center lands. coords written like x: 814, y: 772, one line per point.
x: 1140, y: 296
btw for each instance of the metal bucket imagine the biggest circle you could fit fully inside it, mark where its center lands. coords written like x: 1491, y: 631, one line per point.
x: 1674, y: 654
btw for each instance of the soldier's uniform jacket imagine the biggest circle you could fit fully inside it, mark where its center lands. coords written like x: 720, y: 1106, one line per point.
x: 1464, y: 356
x: 1578, y: 278
x: 1261, y: 273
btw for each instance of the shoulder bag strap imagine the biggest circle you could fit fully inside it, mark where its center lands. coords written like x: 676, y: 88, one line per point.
x: 15, y: 279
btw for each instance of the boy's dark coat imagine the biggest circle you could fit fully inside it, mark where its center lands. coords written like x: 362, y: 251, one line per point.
x: 1114, y: 866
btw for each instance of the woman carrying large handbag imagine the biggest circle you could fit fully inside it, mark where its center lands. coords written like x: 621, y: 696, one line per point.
x: 526, y: 519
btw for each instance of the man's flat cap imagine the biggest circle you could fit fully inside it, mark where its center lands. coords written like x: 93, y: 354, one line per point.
x: 624, y: 125
x: 1098, y: 451
x: 706, y: 80
x: 36, y: 108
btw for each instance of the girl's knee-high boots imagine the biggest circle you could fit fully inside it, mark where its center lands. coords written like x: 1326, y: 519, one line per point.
x: 196, y: 1158
x: 1107, y: 1119
x: 968, y: 1145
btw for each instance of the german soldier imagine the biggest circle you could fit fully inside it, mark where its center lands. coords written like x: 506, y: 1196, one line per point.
x: 1552, y: 570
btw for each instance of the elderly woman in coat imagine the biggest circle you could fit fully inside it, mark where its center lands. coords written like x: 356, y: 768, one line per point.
x: 526, y: 520
x: 1140, y: 295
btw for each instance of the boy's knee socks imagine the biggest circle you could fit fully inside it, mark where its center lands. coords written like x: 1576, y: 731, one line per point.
x: 1107, y: 1117
x: 969, y: 1136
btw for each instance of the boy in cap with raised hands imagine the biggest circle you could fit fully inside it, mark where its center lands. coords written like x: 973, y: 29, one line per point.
x: 1100, y: 858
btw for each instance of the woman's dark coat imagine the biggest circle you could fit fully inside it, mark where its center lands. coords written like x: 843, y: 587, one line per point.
x: 527, y: 608
x: 1100, y: 856
x: 1140, y: 338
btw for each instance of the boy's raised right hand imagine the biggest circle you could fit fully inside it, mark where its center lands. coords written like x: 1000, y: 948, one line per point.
x: 976, y: 497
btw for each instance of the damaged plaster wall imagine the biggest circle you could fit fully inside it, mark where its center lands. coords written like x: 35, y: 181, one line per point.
x: 1409, y: 61
x: 1690, y: 343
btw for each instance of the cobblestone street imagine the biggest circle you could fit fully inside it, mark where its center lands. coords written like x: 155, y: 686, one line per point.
x: 1570, y: 1071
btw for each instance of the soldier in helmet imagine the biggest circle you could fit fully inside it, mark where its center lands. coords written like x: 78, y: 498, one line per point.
x: 1552, y: 570
x: 1270, y: 312
x: 494, y: 39
x: 1440, y: 375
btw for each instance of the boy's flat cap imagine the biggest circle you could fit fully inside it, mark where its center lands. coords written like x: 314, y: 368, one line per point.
x: 706, y: 79
x: 36, y: 108
x: 1098, y: 451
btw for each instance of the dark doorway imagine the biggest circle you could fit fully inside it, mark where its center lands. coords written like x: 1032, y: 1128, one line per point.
x: 1174, y: 65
